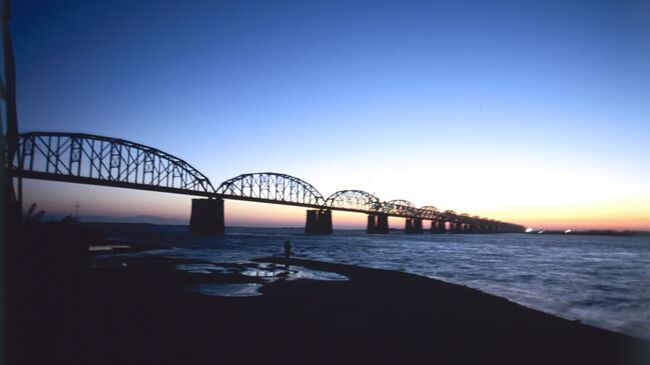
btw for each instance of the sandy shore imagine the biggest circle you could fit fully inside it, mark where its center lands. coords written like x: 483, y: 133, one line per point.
x: 141, y: 312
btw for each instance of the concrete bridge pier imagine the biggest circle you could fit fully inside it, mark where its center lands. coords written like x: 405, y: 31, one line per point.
x: 382, y: 223
x: 437, y: 226
x: 207, y: 216
x: 413, y: 225
x: 319, y: 221
x: 417, y: 225
x: 458, y: 227
x: 371, y: 227
x: 311, y: 226
x: 325, y: 221
x: 441, y: 226
x: 377, y: 223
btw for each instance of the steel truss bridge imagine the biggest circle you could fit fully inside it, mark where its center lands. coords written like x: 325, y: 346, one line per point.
x: 106, y: 161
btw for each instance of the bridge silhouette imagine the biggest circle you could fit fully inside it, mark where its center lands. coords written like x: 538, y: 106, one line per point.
x: 98, y: 160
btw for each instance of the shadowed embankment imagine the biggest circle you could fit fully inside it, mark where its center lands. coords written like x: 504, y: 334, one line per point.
x: 143, y: 313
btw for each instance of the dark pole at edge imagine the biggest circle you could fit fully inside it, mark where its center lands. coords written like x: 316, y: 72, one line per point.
x: 10, y: 204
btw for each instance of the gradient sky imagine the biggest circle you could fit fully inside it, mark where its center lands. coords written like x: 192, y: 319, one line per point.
x: 535, y: 112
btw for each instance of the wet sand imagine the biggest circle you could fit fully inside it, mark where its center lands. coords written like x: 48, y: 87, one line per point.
x: 143, y: 313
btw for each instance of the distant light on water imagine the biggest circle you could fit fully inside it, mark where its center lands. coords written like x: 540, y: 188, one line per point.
x: 528, y: 230
x: 567, y: 231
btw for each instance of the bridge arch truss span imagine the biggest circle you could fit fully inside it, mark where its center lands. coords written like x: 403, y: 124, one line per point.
x: 428, y: 212
x: 273, y: 187
x: 400, y: 207
x: 448, y: 215
x: 357, y: 200
x: 99, y: 160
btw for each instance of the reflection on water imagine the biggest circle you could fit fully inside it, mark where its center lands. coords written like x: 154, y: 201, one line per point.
x: 600, y: 280
x: 228, y: 289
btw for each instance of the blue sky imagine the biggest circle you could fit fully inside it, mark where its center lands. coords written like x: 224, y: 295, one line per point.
x: 509, y: 108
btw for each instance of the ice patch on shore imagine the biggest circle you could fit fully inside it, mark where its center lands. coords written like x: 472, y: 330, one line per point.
x: 228, y: 290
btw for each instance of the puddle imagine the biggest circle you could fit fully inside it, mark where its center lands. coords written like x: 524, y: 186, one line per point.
x: 204, y: 269
x: 299, y: 272
x: 106, y: 247
x: 265, y: 270
x: 228, y: 290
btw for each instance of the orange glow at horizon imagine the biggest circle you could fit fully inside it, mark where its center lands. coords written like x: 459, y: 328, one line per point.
x: 60, y: 198
x: 620, y: 215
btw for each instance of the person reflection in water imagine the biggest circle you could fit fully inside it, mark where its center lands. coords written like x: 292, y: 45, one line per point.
x: 287, y: 253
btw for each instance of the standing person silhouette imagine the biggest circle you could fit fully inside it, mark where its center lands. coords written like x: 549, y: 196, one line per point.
x: 287, y: 252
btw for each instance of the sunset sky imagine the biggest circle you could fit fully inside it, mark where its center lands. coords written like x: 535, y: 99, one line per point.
x: 533, y: 112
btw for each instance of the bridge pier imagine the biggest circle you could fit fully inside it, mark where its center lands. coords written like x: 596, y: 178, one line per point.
x: 457, y: 227
x: 417, y: 225
x: 413, y: 225
x: 207, y: 216
x: 382, y: 223
x: 377, y: 223
x: 372, y: 223
x: 434, y: 226
x: 319, y: 222
x: 441, y: 227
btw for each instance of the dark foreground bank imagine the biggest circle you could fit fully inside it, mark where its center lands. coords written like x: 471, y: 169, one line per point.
x: 140, y: 312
